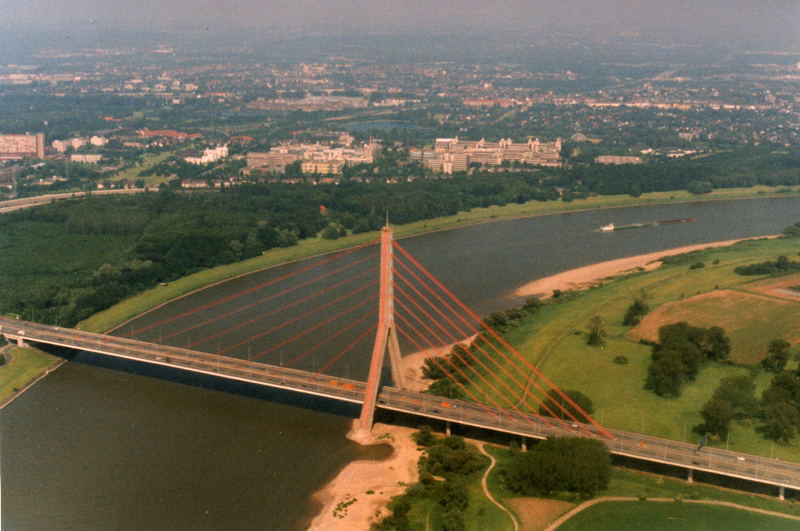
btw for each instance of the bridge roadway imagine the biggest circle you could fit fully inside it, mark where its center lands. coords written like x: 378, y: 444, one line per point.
x: 717, y: 461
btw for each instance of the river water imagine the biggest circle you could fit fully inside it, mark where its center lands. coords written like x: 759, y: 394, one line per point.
x: 106, y: 444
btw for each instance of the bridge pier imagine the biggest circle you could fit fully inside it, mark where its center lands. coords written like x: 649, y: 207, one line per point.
x: 690, y: 477
x: 447, y: 428
x: 524, y: 444
x: 385, y: 336
x: 781, y: 493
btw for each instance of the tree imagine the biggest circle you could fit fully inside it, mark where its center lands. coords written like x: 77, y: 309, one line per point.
x: 784, y: 387
x: 562, y: 408
x: 330, y: 233
x: 597, y: 331
x: 777, y: 355
x: 635, y: 312
x: 666, y: 374
x: 445, y: 387
x: 561, y: 464
x: 699, y: 187
x: 715, y: 344
x: 717, y: 415
x: 739, y: 391
x: 781, y: 421
x: 424, y: 437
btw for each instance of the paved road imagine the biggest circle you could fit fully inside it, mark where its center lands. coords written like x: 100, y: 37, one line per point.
x: 27, y: 202
x: 644, y: 447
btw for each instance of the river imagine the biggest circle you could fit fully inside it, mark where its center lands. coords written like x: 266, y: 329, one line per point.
x: 104, y: 444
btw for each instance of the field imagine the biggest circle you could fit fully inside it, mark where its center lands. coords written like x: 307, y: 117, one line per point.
x: 752, y: 319
x: 132, y: 174
x: 636, y: 515
x: 555, y: 340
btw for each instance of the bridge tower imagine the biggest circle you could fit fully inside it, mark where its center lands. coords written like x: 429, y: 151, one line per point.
x: 385, y: 337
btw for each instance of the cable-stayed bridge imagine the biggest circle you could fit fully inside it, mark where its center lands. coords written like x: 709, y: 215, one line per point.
x: 504, y: 392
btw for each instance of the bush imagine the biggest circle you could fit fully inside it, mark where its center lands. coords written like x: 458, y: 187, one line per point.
x: 621, y: 360
x: 424, y: 437
x: 635, y: 312
x: 697, y: 265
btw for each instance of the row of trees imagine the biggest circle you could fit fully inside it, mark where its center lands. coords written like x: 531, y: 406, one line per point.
x: 781, y: 266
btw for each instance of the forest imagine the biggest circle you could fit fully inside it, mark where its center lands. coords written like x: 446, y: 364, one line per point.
x: 159, y: 236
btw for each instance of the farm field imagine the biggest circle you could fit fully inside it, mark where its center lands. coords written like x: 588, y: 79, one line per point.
x: 752, y: 319
x: 554, y: 339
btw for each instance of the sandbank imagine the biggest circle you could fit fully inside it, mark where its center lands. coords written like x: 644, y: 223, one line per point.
x: 346, y: 503
x: 592, y: 275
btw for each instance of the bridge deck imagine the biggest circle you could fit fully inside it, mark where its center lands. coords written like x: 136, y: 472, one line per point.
x: 647, y: 448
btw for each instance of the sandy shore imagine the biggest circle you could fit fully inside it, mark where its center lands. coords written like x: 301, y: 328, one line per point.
x: 347, y: 505
x: 587, y: 276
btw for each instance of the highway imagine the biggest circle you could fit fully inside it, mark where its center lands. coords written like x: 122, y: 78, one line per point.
x: 717, y: 461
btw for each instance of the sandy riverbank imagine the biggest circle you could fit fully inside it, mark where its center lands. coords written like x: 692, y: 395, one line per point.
x: 357, y: 497
x: 591, y: 275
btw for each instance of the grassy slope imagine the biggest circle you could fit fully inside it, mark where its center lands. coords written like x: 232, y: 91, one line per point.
x: 672, y: 516
x: 555, y: 339
x: 139, y: 303
x: 26, y: 365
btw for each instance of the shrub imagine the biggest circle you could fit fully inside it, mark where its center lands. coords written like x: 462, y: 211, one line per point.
x: 635, y: 312
x: 621, y: 360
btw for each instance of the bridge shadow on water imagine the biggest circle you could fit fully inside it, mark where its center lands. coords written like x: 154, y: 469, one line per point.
x: 213, y: 383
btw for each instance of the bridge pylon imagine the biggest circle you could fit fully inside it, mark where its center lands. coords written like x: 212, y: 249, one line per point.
x: 385, y: 337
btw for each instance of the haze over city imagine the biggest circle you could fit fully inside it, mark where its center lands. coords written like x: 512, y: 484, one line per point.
x: 680, y: 20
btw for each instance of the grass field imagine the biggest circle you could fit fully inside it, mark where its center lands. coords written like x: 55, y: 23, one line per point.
x: 555, y: 340
x: 25, y: 366
x: 132, y: 174
x: 672, y: 516
x: 135, y: 305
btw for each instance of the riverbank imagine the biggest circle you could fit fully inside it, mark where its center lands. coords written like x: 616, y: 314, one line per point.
x: 24, y: 367
x: 592, y: 275
x: 358, y: 495
x: 312, y: 247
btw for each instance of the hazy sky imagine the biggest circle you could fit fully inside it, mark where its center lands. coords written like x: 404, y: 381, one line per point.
x: 685, y: 19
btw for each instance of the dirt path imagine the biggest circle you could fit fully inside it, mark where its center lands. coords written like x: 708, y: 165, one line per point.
x: 486, y: 488
x: 585, y: 505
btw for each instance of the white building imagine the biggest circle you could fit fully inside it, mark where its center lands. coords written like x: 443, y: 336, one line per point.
x: 209, y: 155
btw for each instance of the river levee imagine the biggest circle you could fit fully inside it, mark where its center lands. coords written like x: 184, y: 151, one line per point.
x: 102, y: 444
